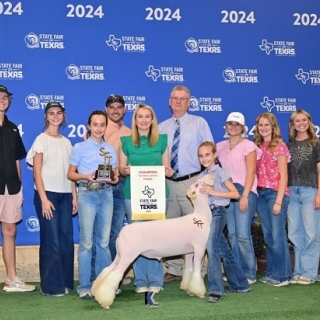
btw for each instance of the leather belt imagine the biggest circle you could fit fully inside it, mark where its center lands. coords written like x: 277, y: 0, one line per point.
x: 94, y: 186
x: 261, y: 188
x: 186, y: 177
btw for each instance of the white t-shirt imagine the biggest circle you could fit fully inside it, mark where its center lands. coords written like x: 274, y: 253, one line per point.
x: 56, y: 155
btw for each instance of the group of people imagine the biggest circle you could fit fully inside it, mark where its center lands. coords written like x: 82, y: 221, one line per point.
x: 278, y: 181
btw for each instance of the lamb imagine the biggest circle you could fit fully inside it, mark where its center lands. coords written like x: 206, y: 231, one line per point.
x: 162, y: 238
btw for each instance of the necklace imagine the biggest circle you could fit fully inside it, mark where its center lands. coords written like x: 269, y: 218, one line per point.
x: 52, y: 135
x: 145, y: 140
x: 235, y: 143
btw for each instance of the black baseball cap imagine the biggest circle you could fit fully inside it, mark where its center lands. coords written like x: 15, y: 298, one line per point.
x: 4, y: 89
x: 115, y: 98
x: 54, y: 104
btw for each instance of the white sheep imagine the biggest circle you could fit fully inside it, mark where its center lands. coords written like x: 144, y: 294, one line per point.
x: 162, y: 238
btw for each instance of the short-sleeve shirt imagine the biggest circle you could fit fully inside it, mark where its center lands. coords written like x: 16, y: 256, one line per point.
x: 267, y: 166
x: 56, y: 154
x: 221, y: 176
x: 302, y: 170
x: 144, y: 155
x: 234, y: 160
x: 11, y: 150
x: 86, y: 155
x: 194, y: 131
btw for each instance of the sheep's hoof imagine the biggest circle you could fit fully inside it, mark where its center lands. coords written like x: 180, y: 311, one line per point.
x: 106, y: 307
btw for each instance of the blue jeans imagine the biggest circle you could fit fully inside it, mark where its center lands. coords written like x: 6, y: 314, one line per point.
x: 304, y: 231
x: 239, y: 233
x: 56, y: 252
x: 147, y: 272
x: 274, y: 234
x: 218, y: 247
x: 118, y: 216
x: 95, y: 210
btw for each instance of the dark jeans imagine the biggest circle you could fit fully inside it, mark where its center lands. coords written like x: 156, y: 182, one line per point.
x: 56, y: 253
x: 218, y: 247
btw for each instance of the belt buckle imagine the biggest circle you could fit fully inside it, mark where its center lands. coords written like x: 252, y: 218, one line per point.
x: 93, y: 186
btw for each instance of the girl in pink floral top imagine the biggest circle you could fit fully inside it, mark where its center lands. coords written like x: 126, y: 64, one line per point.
x: 273, y: 198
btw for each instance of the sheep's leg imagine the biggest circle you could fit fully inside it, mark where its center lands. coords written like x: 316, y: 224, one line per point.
x: 187, y: 271
x: 196, y: 284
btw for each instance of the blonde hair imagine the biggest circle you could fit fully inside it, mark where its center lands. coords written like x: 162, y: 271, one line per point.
x: 311, y: 130
x: 153, y: 135
x: 275, y: 131
x: 208, y: 144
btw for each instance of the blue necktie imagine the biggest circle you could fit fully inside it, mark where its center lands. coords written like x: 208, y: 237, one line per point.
x: 175, y: 147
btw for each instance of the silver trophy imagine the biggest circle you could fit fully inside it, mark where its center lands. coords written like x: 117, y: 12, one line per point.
x: 104, y: 172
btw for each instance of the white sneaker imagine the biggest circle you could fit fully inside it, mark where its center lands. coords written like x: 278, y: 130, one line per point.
x: 304, y: 280
x: 141, y: 289
x: 294, y: 280
x: 118, y: 292
x: 17, y: 285
x: 252, y: 281
x: 155, y: 289
x: 85, y: 294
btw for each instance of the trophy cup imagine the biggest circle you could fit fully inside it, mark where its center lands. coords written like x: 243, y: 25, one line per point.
x: 104, y: 172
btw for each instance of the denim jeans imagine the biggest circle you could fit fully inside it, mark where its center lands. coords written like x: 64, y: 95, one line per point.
x: 239, y: 233
x: 95, y: 210
x: 218, y: 247
x: 274, y: 234
x: 56, y: 252
x: 304, y: 231
x: 118, y: 216
x: 147, y: 272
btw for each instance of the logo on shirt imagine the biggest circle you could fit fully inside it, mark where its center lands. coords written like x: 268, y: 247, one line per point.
x: 44, y: 41
x: 35, y: 102
x: 133, y: 101
x: 240, y: 75
x: 203, y: 45
x: 205, y: 104
x: 280, y: 48
x: 305, y: 76
x: 32, y: 224
x: 84, y: 72
x: 166, y: 74
x: 128, y: 43
x: 11, y: 71
x: 281, y: 105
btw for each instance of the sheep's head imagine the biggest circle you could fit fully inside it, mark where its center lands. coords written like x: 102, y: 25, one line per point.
x: 193, y: 190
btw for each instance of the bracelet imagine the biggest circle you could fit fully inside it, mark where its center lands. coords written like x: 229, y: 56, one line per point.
x: 279, y: 204
x: 243, y: 196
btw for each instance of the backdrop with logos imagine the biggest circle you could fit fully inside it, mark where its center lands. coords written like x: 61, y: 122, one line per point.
x: 236, y: 55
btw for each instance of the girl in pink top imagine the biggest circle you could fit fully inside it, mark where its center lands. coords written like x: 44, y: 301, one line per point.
x: 239, y: 156
x: 273, y: 198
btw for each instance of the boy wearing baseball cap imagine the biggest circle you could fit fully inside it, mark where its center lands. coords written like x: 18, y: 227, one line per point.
x: 11, y: 152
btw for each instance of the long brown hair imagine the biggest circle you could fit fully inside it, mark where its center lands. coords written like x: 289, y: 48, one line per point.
x: 275, y: 133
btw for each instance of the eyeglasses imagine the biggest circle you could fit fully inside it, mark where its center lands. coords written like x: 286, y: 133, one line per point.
x: 235, y: 124
x: 115, y: 107
x: 176, y: 99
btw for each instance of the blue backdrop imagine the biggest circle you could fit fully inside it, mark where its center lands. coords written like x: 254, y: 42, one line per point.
x: 235, y: 55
